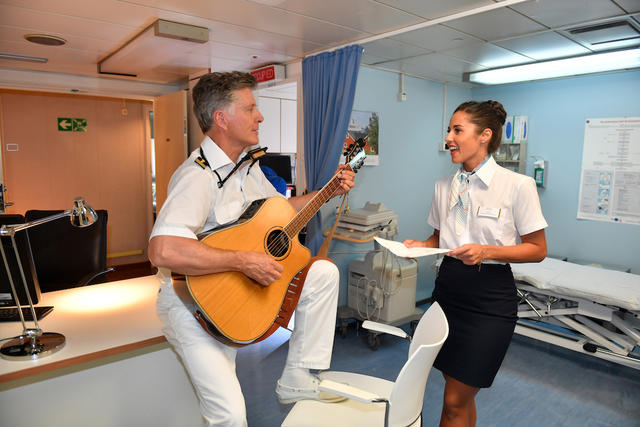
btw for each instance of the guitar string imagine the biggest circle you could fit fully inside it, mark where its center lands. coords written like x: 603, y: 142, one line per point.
x: 284, y: 237
x: 283, y: 240
x: 351, y: 152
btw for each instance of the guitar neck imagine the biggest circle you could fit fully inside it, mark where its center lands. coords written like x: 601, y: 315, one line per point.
x: 305, y: 214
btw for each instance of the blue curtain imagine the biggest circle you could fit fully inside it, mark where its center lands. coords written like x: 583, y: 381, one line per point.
x: 328, y: 88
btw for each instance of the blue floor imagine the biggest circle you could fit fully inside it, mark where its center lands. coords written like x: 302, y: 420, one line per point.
x: 538, y: 385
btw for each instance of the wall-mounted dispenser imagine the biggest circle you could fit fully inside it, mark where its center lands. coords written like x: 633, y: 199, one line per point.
x: 540, y: 172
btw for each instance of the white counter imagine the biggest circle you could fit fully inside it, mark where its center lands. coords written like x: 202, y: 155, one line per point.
x: 115, y: 369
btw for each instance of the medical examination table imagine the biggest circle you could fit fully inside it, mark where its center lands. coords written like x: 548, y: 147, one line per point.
x: 587, y: 309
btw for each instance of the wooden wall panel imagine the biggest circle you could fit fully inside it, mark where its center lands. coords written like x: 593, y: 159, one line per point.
x: 109, y: 164
x: 170, y: 139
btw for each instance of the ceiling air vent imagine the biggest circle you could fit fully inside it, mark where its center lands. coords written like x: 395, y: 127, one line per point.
x: 157, y: 44
x: 609, y: 35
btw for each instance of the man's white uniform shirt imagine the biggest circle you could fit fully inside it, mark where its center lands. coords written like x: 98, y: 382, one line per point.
x: 195, y: 203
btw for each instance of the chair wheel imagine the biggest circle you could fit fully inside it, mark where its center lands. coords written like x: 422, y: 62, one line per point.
x: 373, y: 341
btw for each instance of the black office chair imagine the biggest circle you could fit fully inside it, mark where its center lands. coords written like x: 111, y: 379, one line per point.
x: 66, y: 256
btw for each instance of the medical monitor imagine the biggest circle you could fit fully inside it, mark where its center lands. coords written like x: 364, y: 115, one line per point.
x: 24, y: 252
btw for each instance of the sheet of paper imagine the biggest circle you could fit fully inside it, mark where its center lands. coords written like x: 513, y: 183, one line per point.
x: 401, y: 250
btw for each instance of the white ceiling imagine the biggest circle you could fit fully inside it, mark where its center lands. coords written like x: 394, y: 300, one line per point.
x: 247, y: 34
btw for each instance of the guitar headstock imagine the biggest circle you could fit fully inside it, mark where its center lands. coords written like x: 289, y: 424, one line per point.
x: 358, y: 160
x: 354, y: 148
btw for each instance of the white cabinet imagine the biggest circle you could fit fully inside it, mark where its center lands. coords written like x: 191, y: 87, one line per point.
x: 288, y: 126
x: 270, y: 127
x: 278, y: 131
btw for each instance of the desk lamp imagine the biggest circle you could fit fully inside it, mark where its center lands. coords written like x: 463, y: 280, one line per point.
x: 34, y: 343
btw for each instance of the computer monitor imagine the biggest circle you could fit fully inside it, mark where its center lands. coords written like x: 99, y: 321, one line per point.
x: 24, y: 252
x: 280, y: 163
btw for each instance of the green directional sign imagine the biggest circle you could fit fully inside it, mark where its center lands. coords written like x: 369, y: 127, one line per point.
x: 79, y: 125
x: 64, y: 124
x: 67, y: 124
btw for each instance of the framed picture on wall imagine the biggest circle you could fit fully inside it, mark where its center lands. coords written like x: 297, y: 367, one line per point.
x: 364, y: 125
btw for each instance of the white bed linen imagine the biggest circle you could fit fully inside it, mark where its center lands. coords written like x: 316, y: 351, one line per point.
x: 593, y: 283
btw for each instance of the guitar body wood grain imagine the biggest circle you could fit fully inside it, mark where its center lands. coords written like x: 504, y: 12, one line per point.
x: 236, y: 305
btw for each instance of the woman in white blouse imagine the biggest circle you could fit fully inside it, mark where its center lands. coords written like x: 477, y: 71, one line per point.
x: 489, y: 217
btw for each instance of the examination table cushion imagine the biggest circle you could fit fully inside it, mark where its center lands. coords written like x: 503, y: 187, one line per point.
x: 583, y: 281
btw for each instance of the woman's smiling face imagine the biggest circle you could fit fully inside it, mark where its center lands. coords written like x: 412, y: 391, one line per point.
x: 467, y: 143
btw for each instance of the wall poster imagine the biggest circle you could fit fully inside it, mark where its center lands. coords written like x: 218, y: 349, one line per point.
x: 610, y: 178
x: 364, y: 124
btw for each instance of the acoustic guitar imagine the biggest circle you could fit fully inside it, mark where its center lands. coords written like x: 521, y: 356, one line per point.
x: 232, y: 307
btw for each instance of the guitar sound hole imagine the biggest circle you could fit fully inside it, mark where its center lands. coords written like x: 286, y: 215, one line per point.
x: 277, y: 243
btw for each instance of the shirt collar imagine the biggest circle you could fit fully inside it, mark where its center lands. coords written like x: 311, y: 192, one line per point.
x: 214, y: 154
x: 461, y: 170
x: 487, y: 170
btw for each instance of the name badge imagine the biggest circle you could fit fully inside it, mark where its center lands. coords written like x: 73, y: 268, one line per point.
x: 489, y: 212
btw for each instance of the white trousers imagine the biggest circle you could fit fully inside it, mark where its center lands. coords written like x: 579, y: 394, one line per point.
x: 212, y: 365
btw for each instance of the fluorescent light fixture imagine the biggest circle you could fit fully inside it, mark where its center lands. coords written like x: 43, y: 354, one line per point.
x: 22, y: 58
x: 154, y: 46
x: 593, y: 63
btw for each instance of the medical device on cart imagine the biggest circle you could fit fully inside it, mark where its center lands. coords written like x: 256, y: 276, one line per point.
x: 381, y: 287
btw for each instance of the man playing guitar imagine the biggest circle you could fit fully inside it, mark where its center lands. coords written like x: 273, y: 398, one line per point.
x: 213, y: 187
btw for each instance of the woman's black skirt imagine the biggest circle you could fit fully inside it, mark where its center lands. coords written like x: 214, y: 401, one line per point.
x: 481, y: 308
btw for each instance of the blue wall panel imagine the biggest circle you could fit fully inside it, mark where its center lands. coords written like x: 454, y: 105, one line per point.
x: 410, y: 160
x: 557, y: 110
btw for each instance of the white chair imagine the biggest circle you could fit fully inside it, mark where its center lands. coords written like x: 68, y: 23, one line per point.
x: 374, y: 401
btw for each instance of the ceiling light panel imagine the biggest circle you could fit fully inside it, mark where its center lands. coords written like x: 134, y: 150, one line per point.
x: 594, y: 63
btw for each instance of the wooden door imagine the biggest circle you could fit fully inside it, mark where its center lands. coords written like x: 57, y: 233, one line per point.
x: 170, y: 139
x: 105, y: 159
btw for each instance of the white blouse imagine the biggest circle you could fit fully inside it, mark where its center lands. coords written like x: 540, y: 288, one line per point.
x: 504, y: 205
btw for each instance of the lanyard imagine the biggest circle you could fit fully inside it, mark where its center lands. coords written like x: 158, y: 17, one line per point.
x: 252, y: 155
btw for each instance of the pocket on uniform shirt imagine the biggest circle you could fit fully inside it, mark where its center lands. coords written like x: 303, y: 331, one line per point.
x: 493, y: 227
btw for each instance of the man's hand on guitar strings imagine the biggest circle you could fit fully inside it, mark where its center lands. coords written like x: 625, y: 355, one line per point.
x: 261, y: 268
x: 346, y: 178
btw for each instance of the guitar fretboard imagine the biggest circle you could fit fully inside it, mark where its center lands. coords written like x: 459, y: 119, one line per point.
x: 295, y: 225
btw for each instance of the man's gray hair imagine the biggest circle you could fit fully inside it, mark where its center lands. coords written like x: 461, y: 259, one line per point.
x: 214, y: 91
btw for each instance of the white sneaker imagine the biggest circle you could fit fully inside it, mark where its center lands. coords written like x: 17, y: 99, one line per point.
x: 287, y: 394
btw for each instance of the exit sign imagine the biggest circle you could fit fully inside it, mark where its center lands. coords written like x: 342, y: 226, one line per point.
x: 68, y: 124
x: 271, y: 73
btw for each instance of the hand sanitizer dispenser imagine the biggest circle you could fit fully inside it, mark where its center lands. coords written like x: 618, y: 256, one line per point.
x: 539, y: 172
